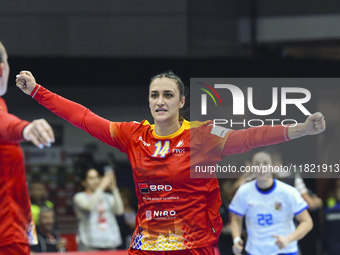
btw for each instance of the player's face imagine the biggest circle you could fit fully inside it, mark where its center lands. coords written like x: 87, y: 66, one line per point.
x: 38, y: 191
x: 164, y: 100
x: 46, y: 220
x: 4, y: 72
x: 262, y: 160
x: 92, y: 180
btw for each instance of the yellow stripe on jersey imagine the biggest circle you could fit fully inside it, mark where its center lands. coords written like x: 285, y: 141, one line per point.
x: 145, y: 122
x: 195, y: 124
x: 185, y: 126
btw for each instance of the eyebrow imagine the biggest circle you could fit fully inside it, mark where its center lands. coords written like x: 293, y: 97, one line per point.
x: 165, y: 91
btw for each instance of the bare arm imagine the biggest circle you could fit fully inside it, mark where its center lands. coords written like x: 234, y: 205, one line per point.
x: 246, y: 176
x: 118, y: 207
x: 117, y: 202
x: 236, y: 230
x: 305, y: 225
x: 88, y: 204
x: 314, y: 202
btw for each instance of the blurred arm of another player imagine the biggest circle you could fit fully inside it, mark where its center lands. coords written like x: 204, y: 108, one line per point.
x: 13, y: 129
x: 305, y: 225
x: 89, y: 204
x: 117, y: 203
x: 236, y: 230
x: 39, y: 132
x: 313, y: 201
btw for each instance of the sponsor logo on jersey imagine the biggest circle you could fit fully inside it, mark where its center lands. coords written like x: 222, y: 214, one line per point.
x: 145, y: 188
x: 178, y: 152
x: 143, y: 142
x: 278, y: 206
x: 149, y: 214
x: 180, y: 143
x: 160, y: 198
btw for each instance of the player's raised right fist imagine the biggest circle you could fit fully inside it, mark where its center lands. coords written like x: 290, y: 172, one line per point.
x: 26, y: 82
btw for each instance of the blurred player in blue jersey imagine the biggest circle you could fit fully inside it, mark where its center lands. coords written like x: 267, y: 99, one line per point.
x: 269, y: 207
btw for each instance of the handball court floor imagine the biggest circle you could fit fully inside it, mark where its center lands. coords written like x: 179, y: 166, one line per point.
x: 72, y: 249
x: 120, y: 252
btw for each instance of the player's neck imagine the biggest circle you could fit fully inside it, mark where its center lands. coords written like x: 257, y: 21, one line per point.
x: 166, y: 128
x: 89, y: 191
x: 265, y: 183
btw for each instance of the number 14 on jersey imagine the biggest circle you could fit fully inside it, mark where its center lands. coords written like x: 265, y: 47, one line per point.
x: 161, y: 150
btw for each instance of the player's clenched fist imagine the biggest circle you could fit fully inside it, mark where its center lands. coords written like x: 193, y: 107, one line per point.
x: 26, y: 82
x: 315, y: 123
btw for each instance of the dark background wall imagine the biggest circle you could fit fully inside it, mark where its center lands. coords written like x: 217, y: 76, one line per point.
x: 101, y: 28
x: 163, y: 28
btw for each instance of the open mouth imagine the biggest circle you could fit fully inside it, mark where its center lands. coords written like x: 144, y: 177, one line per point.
x: 161, y: 110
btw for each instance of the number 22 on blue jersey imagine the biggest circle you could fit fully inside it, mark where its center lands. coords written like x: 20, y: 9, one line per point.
x: 161, y: 150
x: 264, y: 219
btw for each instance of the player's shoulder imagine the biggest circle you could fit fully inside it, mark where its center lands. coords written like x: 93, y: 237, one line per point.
x: 248, y: 186
x: 200, y: 124
x: 285, y: 187
x: 79, y: 195
x: 144, y: 124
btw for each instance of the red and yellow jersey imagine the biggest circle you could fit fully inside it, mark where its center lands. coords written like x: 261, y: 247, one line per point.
x: 15, y: 207
x: 175, y: 212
